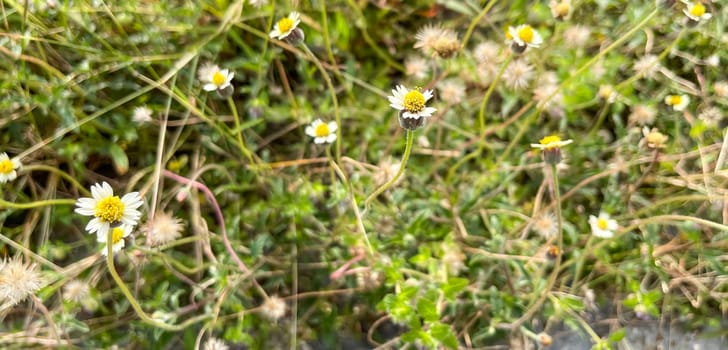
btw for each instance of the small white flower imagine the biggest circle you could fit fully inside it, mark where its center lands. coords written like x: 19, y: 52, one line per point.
x: 518, y: 74
x: 162, y: 229
x: 108, y: 209
x: 416, y: 67
x: 17, y: 280
x: 488, y: 52
x: 285, y: 26
x: 412, y: 103
x: 545, y: 225
x: 8, y: 168
x: 678, y: 102
x: 322, y: 132
x: 576, y: 36
x: 118, y: 234
x: 647, y: 65
x: 218, y: 80
x: 206, y: 71
x: 524, y: 35
x: 603, y: 226
x: 274, y: 308
x: 696, y: 11
x: 142, y: 114
x: 76, y: 291
x: 452, y: 91
x: 215, y: 344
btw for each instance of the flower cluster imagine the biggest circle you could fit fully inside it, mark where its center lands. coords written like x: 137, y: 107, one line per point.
x: 110, y: 214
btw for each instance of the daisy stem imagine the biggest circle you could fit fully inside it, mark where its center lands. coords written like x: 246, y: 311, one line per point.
x: 486, y: 97
x: 133, y: 301
x: 405, y: 157
x: 36, y: 204
x: 475, y: 21
x: 239, y: 131
x: 332, y: 91
x: 60, y: 173
x: 354, y: 205
x: 557, y: 264
x: 580, y: 262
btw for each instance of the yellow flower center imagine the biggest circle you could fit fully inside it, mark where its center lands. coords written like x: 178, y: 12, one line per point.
x: 110, y: 209
x: 322, y: 130
x: 602, y: 224
x: 675, y: 100
x: 414, y: 101
x: 218, y: 78
x: 698, y: 10
x: 117, y: 234
x: 526, y: 34
x: 552, y: 140
x: 6, y: 166
x: 285, y: 25
x: 562, y: 9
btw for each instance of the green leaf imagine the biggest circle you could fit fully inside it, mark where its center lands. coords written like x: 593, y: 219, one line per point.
x: 618, y: 335
x: 454, y: 286
x: 427, y: 309
x: 118, y: 156
x: 444, y: 334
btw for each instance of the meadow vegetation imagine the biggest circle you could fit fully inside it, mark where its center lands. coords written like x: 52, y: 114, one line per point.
x: 451, y: 174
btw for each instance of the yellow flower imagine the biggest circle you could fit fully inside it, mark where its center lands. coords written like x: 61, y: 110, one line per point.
x: 696, y: 11
x: 551, y: 142
x: 524, y: 35
x: 678, y: 102
x: 285, y: 26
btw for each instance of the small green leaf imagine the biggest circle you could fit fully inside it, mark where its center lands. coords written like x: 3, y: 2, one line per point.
x: 454, y: 286
x: 427, y: 309
x: 618, y: 335
x: 118, y: 156
x: 444, y: 334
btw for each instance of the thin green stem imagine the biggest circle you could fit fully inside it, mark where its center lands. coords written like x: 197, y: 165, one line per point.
x: 557, y: 264
x: 239, y: 131
x: 335, y: 100
x: 60, y: 173
x: 475, y: 21
x: 36, y: 204
x: 392, y: 181
x: 133, y: 301
x: 486, y: 97
x: 355, y: 206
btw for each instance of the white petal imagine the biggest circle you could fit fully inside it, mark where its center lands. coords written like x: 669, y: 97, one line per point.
x: 275, y: 32
x: 333, y: 127
x: 319, y: 140
x: 310, y: 131
x: 331, y: 138
x: 209, y: 87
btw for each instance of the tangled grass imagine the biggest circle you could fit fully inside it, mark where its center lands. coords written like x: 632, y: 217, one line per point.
x: 432, y: 224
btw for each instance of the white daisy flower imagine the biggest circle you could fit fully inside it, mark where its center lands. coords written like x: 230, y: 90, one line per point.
x: 108, y: 209
x: 285, y: 26
x: 8, y: 168
x: 322, y: 132
x: 524, y: 35
x: 218, y: 80
x: 696, y: 11
x: 551, y: 142
x: 412, y: 103
x: 118, y: 234
x: 603, y: 226
x: 678, y: 102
